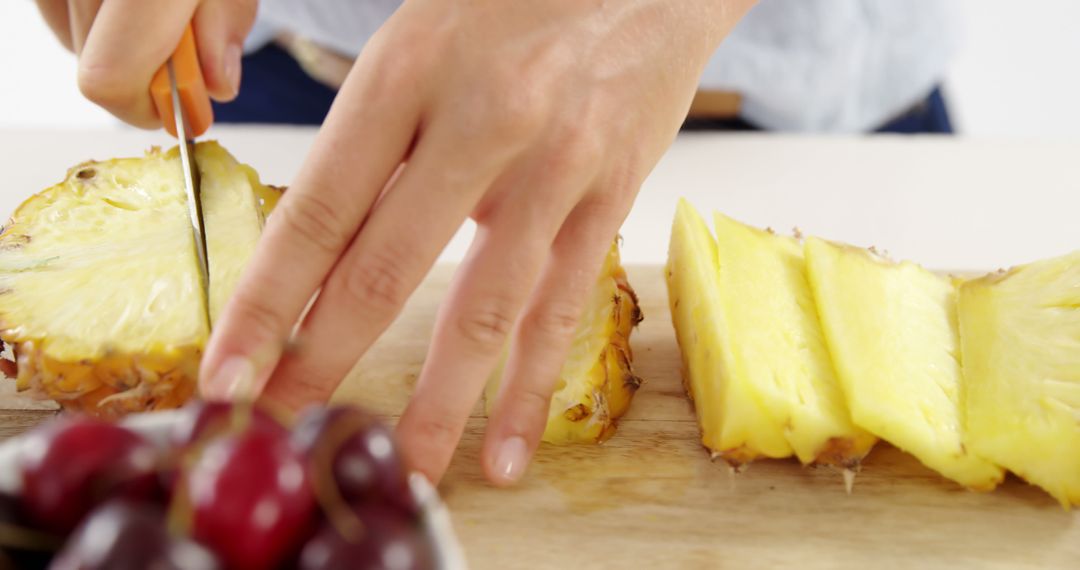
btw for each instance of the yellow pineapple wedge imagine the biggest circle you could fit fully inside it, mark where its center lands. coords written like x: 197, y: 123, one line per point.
x: 597, y: 381
x: 99, y: 289
x: 776, y: 344
x: 892, y: 332
x: 1020, y: 333
x: 735, y: 425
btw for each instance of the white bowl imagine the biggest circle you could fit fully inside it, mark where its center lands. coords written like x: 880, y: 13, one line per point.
x: 156, y: 427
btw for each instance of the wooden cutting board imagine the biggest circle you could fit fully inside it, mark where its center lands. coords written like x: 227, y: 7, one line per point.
x: 651, y: 498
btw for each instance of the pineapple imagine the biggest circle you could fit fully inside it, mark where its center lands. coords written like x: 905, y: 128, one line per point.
x: 892, y: 332
x: 597, y: 381
x: 735, y: 425
x: 1020, y: 334
x: 776, y: 344
x: 99, y: 289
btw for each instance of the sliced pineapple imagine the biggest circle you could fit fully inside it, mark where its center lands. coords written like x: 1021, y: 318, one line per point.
x: 734, y: 423
x: 1020, y: 333
x: 892, y: 332
x: 235, y: 207
x: 597, y: 381
x: 777, y: 347
x: 99, y: 290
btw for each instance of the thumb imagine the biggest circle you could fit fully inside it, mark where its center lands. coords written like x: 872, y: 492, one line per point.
x: 220, y: 28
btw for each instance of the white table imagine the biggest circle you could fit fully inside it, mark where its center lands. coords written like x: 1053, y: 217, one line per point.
x: 948, y: 203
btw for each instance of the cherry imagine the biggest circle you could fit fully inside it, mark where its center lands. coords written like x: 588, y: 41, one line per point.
x: 358, y: 451
x: 388, y: 540
x: 72, y: 464
x: 121, y: 535
x: 201, y: 420
x: 251, y: 498
x: 22, y: 546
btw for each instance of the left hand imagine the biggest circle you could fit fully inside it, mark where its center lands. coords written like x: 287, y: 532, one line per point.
x: 539, y: 120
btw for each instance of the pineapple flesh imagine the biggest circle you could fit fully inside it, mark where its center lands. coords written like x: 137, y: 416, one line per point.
x: 735, y: 425
x: 892, y: 332
x: 776, y: 344
x: 1020, y: 333
x: 597, y: 381
x: 99, y: 289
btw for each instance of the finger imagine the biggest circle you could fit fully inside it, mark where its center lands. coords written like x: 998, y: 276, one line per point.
x: 389, y: 258
x: 81, y: 14
x: 543, y: 337
x: 471, y: 329
x: 55, y: 14
x: 365, y: 137
x: 220, y: 29
x: 127, y: 43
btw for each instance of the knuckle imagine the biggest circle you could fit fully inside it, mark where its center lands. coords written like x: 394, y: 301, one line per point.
x: 378, y: 281
x: 533, y: 403
x: 604, y: 205
x: 437, y: 430
x: 257, y: 314
x: 486, y: 328
x: 574, y: 148
x: 558, y: 321
x: 103, y: 85
x: 515, y: 112
x: 314, y: 221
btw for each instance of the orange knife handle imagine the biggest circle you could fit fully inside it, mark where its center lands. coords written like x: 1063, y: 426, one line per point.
x: 189, y: 85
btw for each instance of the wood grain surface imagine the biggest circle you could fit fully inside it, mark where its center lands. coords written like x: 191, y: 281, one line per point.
x: 651, y: 498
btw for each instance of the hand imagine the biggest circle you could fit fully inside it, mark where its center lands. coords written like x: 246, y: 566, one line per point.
x: 539, y: 120
x: 122, y: 43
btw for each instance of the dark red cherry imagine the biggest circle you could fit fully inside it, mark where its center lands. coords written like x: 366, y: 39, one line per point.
x: 251, y: 498
x: 121, y: 535
x: 387, y: 539
x: 358, y: 451
x: 71, y: 465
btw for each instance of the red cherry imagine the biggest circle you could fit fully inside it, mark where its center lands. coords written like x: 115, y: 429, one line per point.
x: 388, y: 540
x: 359, y: 452
x: 71, y: 465
x: 121, y: 535
x: 251, y: 498
x: 201, y: 420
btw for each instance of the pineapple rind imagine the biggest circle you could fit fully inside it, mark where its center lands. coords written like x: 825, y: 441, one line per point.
x: 597, y: 381
x: 892, y: 332
x: 734, y: 425
x: 777, y: 344
x: 1020, y: 334
x: 126, y: 333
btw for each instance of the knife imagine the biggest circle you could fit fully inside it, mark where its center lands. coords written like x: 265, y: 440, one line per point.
x: 180, y: 96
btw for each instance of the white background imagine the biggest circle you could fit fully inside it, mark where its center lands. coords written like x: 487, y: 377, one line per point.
x: 1018, y: 76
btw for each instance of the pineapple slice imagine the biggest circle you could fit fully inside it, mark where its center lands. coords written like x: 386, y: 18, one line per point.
x: 597, y: 381
x: 1020, y: 333
x: 777, y: 346
x: 892, y: 332
x: 99, y: 288
x: 734, y: 424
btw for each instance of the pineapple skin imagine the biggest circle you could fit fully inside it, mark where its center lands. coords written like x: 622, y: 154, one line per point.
x: 112, y: 382
x: 734, y: 424
x: 597, y: 381
x: 1020, y: 335
x: 778, y: 347
x: 893, y: 333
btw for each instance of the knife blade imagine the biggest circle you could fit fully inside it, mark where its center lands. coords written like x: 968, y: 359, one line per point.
x: 192, y: 189
x: 179, y: 93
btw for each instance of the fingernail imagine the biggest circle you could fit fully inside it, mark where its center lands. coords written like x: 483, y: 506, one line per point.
x: 510, y: 460
x: 233, y: 378
x: 233, y: 53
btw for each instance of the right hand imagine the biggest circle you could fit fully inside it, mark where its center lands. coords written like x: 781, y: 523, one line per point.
x: 122, y: 43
